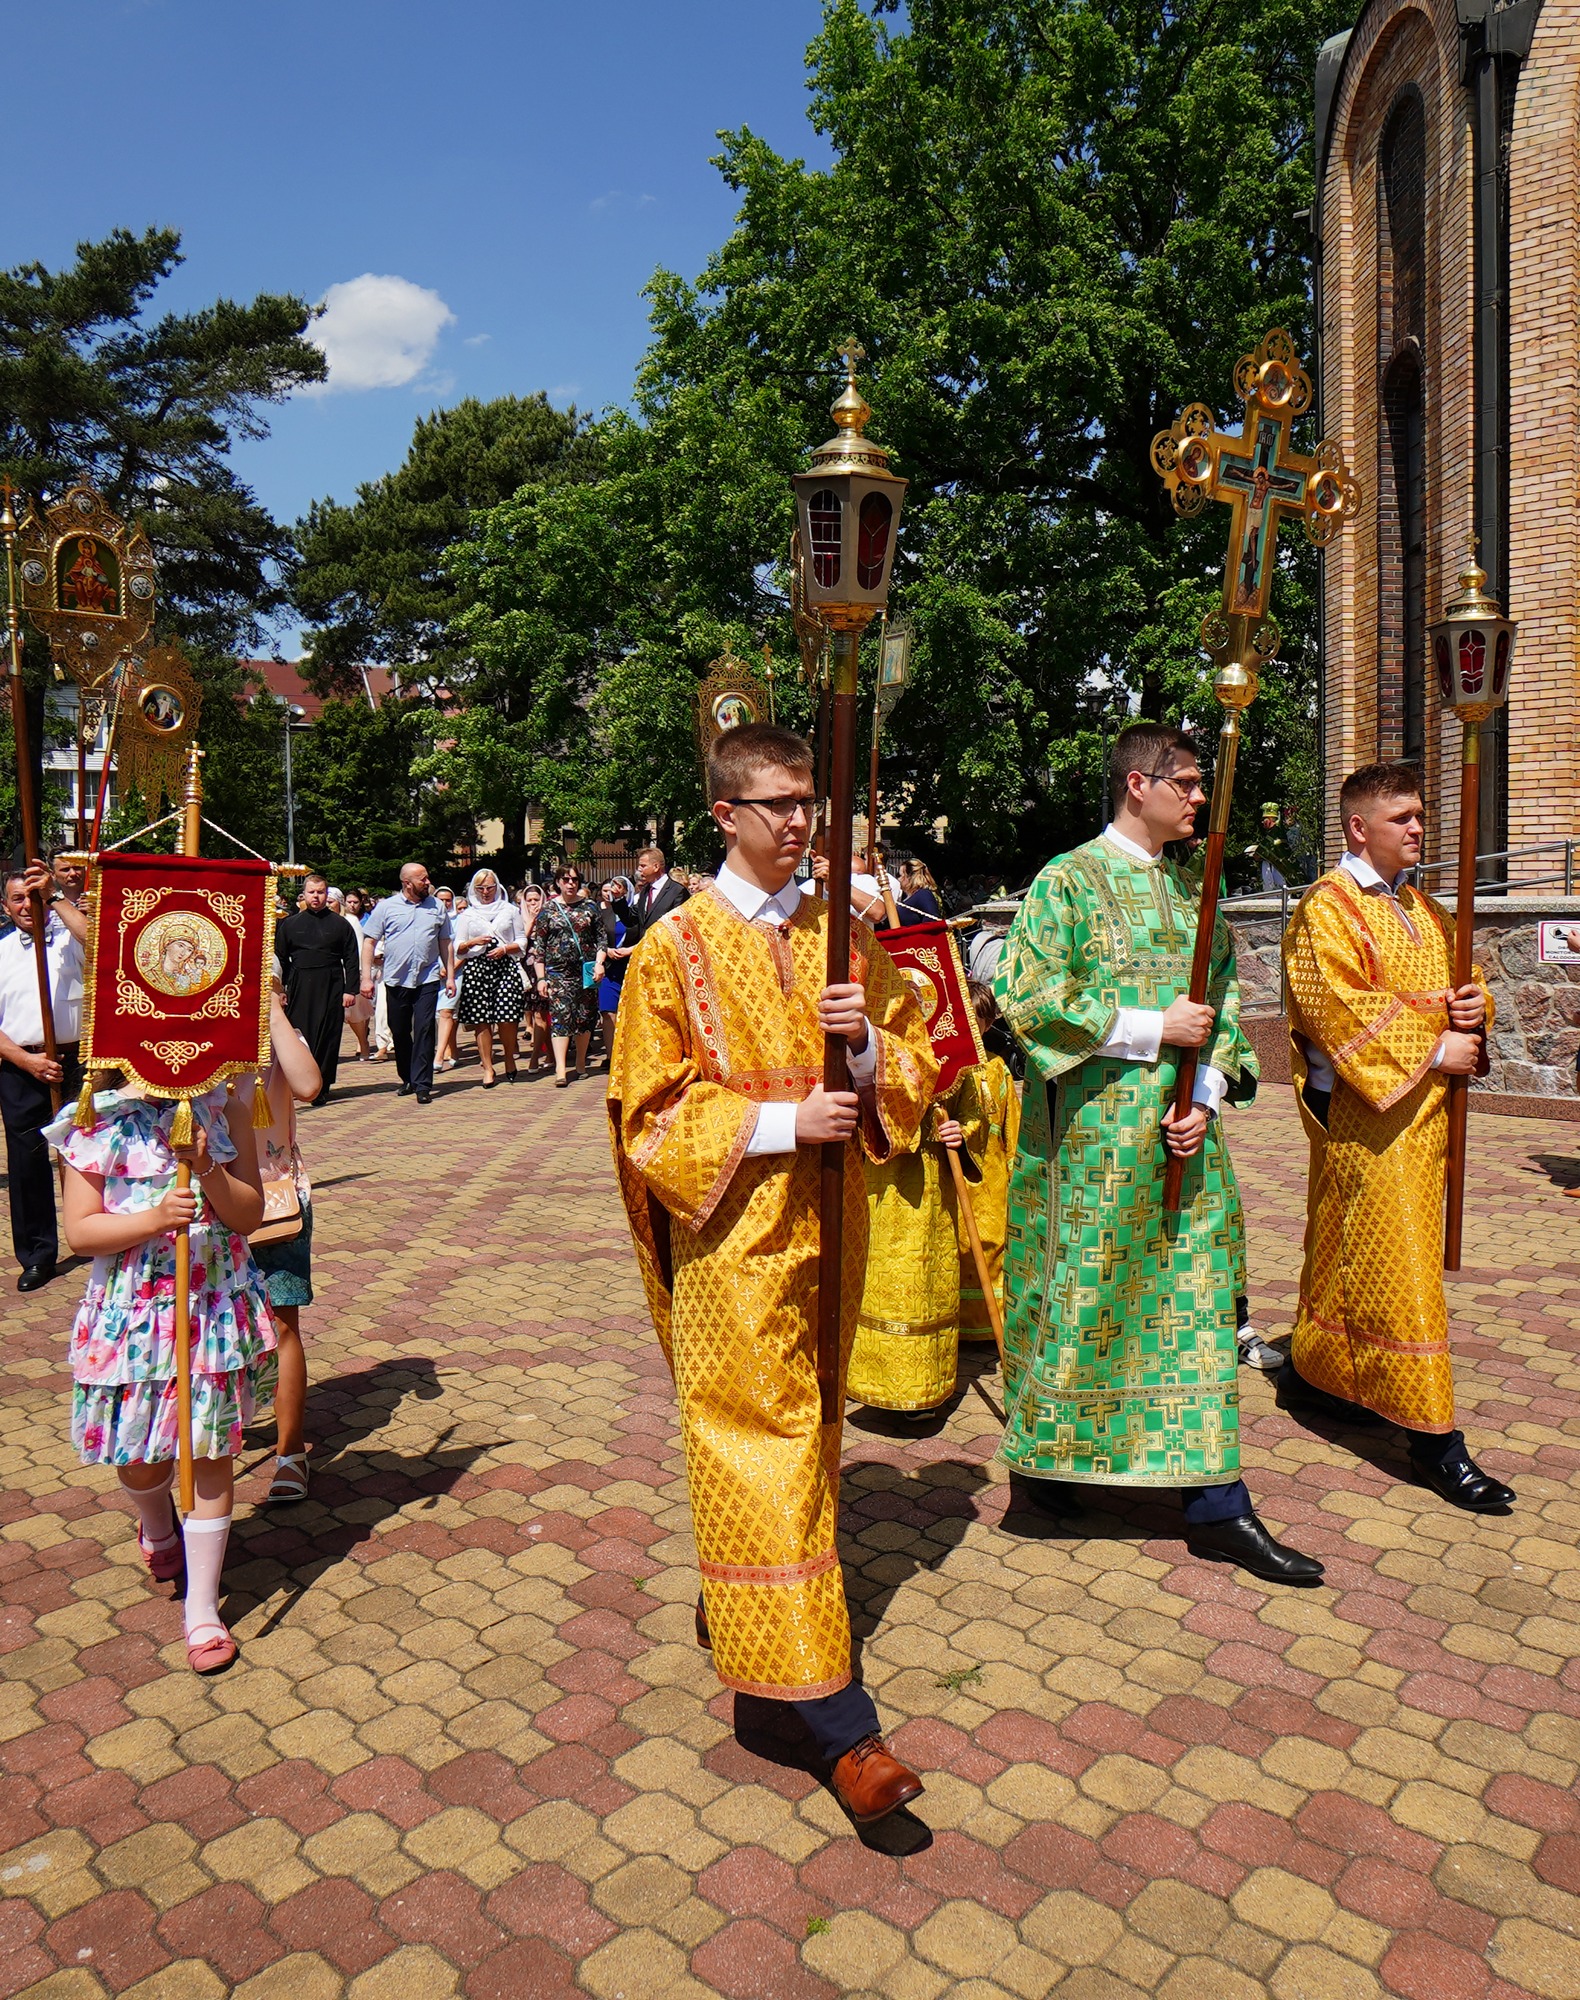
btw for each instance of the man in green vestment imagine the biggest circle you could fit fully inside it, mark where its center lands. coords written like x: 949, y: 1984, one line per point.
x: 1119, y: 1348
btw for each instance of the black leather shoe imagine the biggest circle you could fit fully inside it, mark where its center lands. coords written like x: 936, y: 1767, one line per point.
x: 1048, y: 1496
x: 35, y: 1276
x: 1462, y: 1483
x: 1247, y: 1544
x: 1301, y: 1398
x: 425, y: 1097
x: 406, y: 1090
x: 704, y: 1636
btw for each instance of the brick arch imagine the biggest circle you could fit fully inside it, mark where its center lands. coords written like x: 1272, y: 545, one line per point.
x: 1396, y: 53
x: 1544, y: 431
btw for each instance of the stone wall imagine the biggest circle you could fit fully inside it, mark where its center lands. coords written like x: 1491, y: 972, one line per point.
x: 1537, y: 1031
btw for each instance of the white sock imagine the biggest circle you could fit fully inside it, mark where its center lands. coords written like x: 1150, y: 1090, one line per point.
x: 153, y: 1504
x: 205, y: 1544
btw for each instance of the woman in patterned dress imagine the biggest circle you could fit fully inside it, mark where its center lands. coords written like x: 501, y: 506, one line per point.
x: 487, y: 946
x: 568, y: 949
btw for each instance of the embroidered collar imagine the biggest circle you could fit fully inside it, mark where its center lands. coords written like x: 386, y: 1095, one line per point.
x: 1132, y: 850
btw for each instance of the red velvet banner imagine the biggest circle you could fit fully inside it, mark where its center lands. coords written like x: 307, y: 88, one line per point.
x: 177, y: 970
x: 929, y: 962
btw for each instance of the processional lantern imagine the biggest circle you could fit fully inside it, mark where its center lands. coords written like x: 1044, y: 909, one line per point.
x: 1473, y: 650
x: 1263, y: 481
x: 848, y: 516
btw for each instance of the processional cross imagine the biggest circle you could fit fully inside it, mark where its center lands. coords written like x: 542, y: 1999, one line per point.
x: 1262, y: 480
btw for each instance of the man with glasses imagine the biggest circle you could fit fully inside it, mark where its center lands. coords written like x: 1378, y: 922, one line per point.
x: 1120, y: 1350
x: 719, y: 1121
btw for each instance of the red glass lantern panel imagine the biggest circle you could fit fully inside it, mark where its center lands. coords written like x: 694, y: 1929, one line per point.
x: 1445, y: 671
x: 1472, y: 660
x: 1500, y: 662
x: 824, y: 514
x: 872, y: 539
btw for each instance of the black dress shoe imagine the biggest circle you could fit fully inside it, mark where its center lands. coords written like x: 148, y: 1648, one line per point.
x: 425, y: 1097
x: 1462, y: 1483
x: 704, y: 1636
x: 35, y: 1276
x: 1247, y: 1544
x: 1294, y: 1393
x: 406, y: 1090
x: 1048, y: 1496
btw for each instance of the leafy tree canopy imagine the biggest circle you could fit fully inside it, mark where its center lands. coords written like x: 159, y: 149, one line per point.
x: 1052, y: 224
x: 146, y: 408
x: 360, y: 809
x: 372, y: 581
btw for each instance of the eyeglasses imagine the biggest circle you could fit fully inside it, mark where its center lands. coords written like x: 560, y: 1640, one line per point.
x: 1189, y: 788
x: 783, y: 810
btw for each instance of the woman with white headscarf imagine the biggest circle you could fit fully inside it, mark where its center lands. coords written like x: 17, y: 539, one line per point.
x: 487, y: 946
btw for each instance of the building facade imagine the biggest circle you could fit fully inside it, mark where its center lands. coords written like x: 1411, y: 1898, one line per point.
x: 1447, y: 231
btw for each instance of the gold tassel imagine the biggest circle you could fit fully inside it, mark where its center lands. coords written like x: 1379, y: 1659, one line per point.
x: 262, y: 1118
x: 86, y: 1115
x: 181, y: 1124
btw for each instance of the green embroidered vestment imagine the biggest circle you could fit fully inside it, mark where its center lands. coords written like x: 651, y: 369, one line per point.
x: 1119, y: 1347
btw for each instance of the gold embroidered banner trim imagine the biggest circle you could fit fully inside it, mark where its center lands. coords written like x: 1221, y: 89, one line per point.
x: 801, y: 1572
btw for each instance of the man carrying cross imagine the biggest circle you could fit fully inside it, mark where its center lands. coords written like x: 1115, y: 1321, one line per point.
x: 1119, y: 1343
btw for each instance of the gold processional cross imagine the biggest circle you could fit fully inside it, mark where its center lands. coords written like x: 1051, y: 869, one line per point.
x: 1262, y: 480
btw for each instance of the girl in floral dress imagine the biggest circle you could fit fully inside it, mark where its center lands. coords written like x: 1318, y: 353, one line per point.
x: 122, y: 1208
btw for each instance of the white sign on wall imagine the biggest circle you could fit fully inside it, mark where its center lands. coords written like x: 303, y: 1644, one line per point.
x: 1556, y: 948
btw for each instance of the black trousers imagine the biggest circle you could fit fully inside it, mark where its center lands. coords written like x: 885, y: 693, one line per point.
x: 411, y: 1017
x: 26, y: 1108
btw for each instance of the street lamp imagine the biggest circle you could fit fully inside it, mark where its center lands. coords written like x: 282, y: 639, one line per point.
x: 1473, y: 649
x: 848, y: 513
x: 294, y: 718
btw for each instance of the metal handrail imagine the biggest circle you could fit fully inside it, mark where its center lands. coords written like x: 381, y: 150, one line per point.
x: 1565, y: 875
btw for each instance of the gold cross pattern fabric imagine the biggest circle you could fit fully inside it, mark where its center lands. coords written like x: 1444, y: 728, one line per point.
x: 718, y: 1017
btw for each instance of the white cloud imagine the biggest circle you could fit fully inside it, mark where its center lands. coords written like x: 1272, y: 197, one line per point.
x: 477, y: 340
x: 377, y: 333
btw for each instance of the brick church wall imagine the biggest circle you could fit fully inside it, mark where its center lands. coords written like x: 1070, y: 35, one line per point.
x: 1399, y: 46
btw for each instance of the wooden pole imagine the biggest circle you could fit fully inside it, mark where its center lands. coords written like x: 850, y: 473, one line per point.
x: 1206, y: 923
x: 836, y: 1067
x: 978, y: 1255
x: 191, y: 841
x: 26, y: 796
x: 872, y: 793
x: 1464, y: 955
x: 824, y: 714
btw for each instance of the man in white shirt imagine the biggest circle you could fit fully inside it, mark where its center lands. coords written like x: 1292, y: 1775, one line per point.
x: 27, y: 1073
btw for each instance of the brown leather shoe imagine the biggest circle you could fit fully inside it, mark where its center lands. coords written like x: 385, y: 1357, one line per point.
x: 870, y: 1784
x: 704, y: 1636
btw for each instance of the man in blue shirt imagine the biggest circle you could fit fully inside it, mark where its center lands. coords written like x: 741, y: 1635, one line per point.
x: 418, y: 952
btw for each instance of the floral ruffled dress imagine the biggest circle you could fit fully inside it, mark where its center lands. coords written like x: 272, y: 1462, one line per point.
x: 123, y: 1354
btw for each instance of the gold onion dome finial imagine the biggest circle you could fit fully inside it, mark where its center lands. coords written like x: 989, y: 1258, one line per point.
x: 1473, y: 601
x: 848, y: 450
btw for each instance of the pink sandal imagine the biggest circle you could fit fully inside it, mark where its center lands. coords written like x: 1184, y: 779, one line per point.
x: 212, y: 1654
x: 166, y: 1563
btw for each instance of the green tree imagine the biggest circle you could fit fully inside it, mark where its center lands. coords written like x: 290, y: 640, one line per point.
x: 372, y: 582
x: 360, y: 811
x: 1052, y: 224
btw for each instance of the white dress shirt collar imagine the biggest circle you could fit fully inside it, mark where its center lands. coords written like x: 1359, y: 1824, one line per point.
x: 1131, y: 849
x: 778, y: 906
x: 1368, y: 877
x: 652, y: 890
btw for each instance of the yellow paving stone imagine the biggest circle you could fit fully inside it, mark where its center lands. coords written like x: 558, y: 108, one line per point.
x: 632, y: 1966
x: 1175, y: 1915
x: 1357, y: 1938
x: 1125, y: 1783
x: 857, y: 1949
x: 965, y: 1938
x: 144, y: 1750
x: 1285, y: 1904
x: 302, y: 1976
x: 141, y: 1857
x: 74, y: 1984
x: 658, y: 1824
x: 185, y: 1979
x: 1031, y: 1792
x: 1309, y: 1972
x: 1209, y: 1979
x: 415, y: 1972
x: 1076, y: 1929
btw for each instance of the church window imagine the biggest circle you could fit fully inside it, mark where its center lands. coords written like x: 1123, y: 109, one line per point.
x: 1401, y: 481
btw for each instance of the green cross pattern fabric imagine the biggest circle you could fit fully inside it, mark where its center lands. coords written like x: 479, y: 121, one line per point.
x: 1119, y: 1343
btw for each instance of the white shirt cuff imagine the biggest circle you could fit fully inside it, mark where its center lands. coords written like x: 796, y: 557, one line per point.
x: 864, y: 1064
x: 1136, y: 1036
x: 1437, y: 1053
x: 1210, y: 1087
x: 775, y: 1130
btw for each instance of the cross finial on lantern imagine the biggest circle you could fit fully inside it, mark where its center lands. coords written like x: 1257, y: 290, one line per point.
x: 850, y: 352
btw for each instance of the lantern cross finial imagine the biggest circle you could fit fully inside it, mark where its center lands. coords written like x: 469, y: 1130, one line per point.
x: 850, y: 352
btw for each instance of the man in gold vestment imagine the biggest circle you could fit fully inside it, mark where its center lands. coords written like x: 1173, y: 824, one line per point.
x: 1377, y: 1029
x: 718, y: 1119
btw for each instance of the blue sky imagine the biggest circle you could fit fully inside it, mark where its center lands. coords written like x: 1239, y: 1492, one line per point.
x: 520, y: 167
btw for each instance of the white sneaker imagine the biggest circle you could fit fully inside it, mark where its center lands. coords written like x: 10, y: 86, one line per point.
x: 1255, y: 1352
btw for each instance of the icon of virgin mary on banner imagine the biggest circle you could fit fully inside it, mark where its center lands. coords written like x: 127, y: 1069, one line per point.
x: 177, y: 970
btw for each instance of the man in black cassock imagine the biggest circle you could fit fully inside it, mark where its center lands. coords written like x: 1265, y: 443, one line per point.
x: 318, y: 960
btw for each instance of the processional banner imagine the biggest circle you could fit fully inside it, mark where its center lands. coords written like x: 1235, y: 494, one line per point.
x: 177, y: 970
x: 929, y: 962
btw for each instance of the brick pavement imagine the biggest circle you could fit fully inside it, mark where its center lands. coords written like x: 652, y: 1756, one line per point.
x: 471, y: 1747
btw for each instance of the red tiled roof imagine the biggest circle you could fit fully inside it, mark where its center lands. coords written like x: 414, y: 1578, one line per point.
x: 283, y: 679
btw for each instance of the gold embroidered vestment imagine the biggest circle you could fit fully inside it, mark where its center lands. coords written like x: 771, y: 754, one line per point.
x: 1367, y: 982
x: 719, y: 1016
